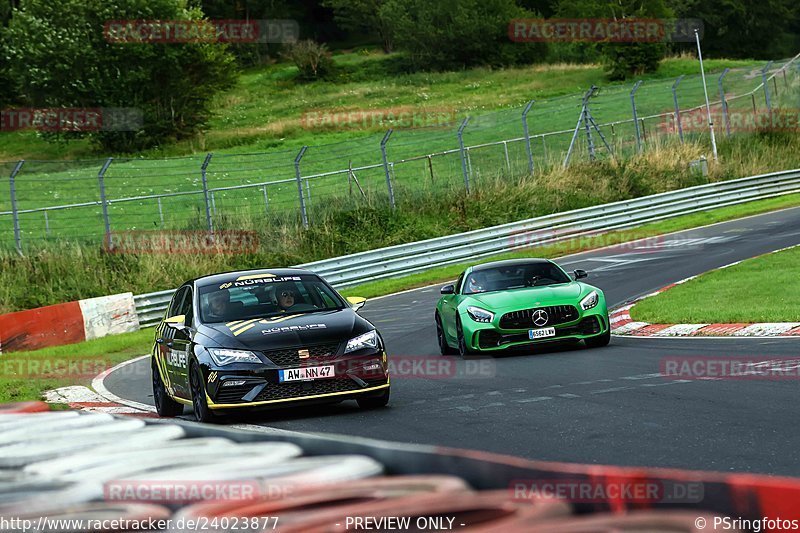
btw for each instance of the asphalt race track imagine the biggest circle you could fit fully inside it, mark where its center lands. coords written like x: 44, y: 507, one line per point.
x: 605, y: 406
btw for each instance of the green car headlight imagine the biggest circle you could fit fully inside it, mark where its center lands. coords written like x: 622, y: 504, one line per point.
x: 480, y: 315
x: 224, y: 357
x: 590, y: 301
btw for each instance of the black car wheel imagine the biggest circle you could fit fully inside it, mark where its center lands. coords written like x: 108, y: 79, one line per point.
x: 374, y: 402
x: 165, y: 406
x: 201, y: 411
x: 444, y: 348
x: 463, y: 351
x: 599, y: 341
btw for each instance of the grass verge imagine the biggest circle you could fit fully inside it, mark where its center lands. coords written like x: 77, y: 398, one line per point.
x: 762, y: 289
x: 27, y: 375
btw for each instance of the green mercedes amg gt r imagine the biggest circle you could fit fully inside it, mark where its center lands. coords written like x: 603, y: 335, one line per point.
x: 519, y: 303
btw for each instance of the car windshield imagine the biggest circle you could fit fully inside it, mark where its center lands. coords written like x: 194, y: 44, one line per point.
x: 519, y: 276
x: 265, y: 296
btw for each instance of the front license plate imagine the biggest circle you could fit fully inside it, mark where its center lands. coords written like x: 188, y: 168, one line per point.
x: 306, y: 373
x: 541, y: 333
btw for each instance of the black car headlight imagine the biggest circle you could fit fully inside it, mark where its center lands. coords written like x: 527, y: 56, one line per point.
x: 223, y: 356
x: 480, y: 315
x: 590, y: 301
x: 367, y: 340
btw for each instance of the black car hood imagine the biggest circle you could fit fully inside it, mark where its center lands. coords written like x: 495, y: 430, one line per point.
x: 286, y: 331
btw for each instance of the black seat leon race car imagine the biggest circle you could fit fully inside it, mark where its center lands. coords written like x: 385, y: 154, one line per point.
x: 264, y: 338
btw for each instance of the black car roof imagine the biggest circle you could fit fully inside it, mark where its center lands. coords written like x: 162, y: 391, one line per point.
x: 510, y: 262
x: 223, y: 277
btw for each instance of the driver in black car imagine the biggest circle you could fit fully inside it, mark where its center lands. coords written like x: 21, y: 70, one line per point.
x: 218, y: 305
x: 285, y: 296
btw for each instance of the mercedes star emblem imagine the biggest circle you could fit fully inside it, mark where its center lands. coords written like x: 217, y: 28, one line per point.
x: 539, y: 317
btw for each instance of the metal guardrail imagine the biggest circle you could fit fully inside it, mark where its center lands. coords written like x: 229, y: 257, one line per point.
x: 414, y: 257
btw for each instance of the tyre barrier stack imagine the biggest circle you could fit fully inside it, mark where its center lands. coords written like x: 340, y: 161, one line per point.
x: 71, y: 465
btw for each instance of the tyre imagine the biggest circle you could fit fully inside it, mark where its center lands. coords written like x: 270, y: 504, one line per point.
x: 599, y: 341
x: 202, y: 413
x: 374, y: 402
x: 444, y: 348
x: 463, y: 350
x: 165, y: 406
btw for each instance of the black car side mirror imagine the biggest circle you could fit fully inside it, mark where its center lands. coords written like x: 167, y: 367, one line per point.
x: 579, y: 274
x: 448, y: 289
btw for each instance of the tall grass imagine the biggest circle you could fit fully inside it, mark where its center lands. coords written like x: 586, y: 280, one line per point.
x: 63, y: 271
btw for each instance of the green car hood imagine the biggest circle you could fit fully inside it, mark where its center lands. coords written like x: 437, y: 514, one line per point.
x: 568, y: 293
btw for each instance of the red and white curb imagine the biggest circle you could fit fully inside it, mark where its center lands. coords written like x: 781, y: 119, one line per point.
x: 100, y: 400
x: 623, y: 324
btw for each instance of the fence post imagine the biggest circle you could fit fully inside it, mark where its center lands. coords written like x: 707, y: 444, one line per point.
x: 635, y: 116
x: 266, y: 200
x: 104, y: 202
x: 677, y: 107
x: 527, y: 134
x: 463, y: 153
x: 765, y: 83
x: 203, y: 168
x: 725, y: 116
x: 389, y: 187
x: 14, y: 210
x: 160, y: 212
x: 303, y: 213
x: 508, y: 161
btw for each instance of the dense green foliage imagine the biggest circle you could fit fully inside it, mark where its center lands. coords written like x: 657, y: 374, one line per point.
x: 59, y: 56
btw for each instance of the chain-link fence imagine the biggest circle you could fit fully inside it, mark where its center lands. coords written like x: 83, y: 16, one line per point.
x: 93, y: 200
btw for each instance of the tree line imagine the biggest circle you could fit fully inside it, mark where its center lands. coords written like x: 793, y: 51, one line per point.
x: 54, y: 54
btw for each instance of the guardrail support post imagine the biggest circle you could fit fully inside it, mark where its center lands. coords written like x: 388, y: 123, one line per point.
x: 389, y: 187
x: 677, y: 107
x: 725, y: 116
x: 14, y: 210
x: 635, y: 116
x: 527, y: 135
x: 463, y: 152
x: 104, y: 202
x: 765, y: 83
x: 299, y: 179
x: 203, y: 169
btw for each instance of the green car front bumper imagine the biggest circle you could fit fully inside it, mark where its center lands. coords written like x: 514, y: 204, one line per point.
x: 508, y: 332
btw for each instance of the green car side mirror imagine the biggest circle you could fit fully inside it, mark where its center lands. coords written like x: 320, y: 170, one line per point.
x: 448, y: 289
